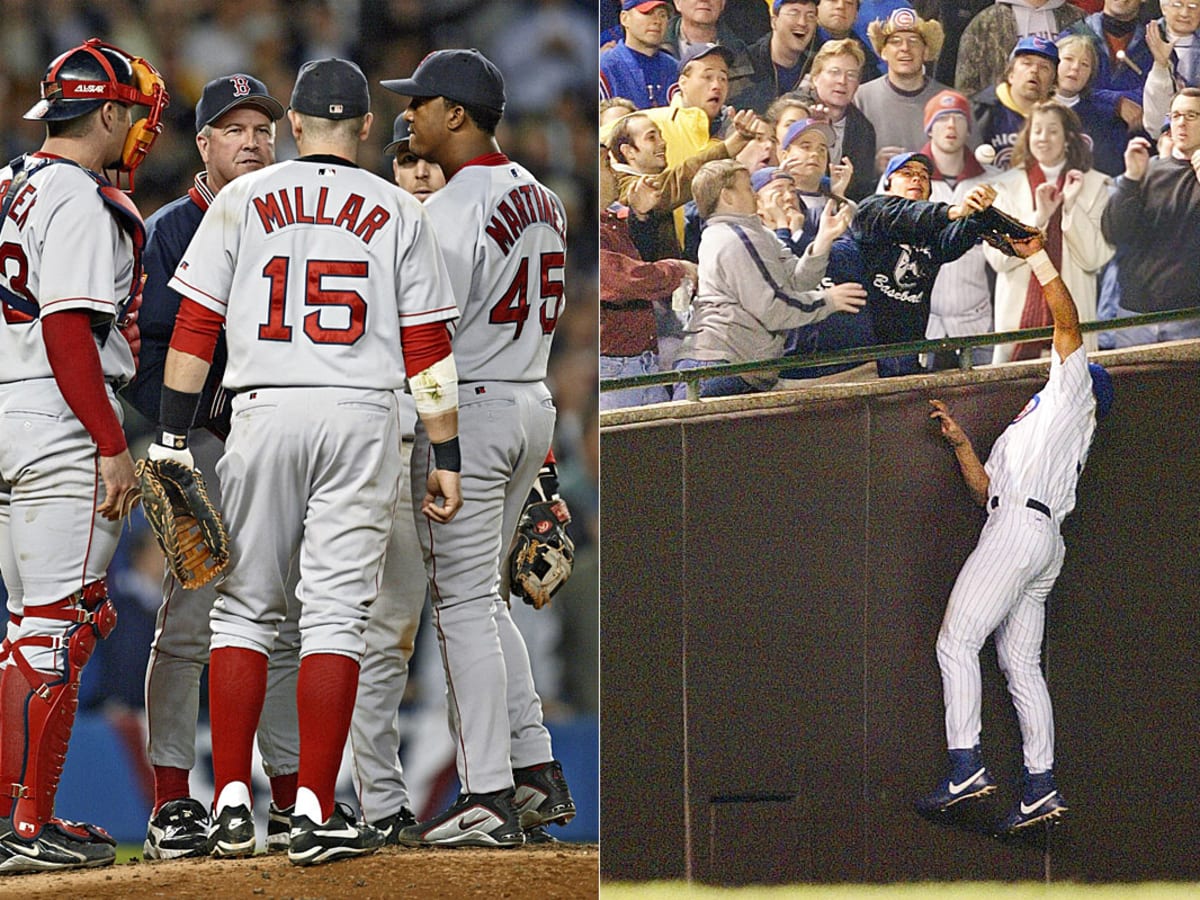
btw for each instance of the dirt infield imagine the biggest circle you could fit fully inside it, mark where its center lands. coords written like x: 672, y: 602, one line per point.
x: 564, y: 871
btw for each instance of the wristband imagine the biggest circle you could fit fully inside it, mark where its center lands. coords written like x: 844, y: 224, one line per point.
x: 446, y: 455
x: 176, y: 410
x: 1043, y: 268
x: 171, y: 440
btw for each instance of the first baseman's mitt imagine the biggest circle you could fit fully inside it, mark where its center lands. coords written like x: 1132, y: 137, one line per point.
x: 543, y: 552
x: 187, y: 525
x: 1000, y: 229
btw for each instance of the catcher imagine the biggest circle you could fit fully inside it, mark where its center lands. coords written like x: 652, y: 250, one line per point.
x: 904, y: 239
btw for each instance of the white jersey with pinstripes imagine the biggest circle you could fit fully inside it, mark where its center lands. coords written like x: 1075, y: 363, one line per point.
x: 316, y: 264
x: 62, y: 249
x: 503, y: 235
x: 1042, y: 452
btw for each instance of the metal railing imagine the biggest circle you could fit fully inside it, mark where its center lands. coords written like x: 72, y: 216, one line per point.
x: 692, y: 377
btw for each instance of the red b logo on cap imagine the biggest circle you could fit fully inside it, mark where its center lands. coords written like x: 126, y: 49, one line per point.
x: 241, y: 86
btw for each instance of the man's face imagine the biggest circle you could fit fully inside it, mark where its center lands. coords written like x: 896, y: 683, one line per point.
x: 1185, y: 131
x: 904, y: 52
x: 757, y: 154
x: 911, y: 180
x: 782, y: 193
x: 837, y: 81
x: 1183, y: 16
x: 705, y: 84
x: 417, y: 176
x: 241, y: 141
x: 701, y: 12
x: 1122, y: 9
x: 738, y: 199
x: 1031, y: 77
x: 837, y: 16
x: 949, y: 133
x: 1074, y: 70
x: 793, y: 27
x: 648, y: 152
x: 645, y: 29
x: 807, y: 158
x: 426, y: 117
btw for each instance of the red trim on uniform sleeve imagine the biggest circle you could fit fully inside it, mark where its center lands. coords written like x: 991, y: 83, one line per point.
x: 550, y: 460
x: 424, y: 345
x: 196, y: 330
x: 75, y: 362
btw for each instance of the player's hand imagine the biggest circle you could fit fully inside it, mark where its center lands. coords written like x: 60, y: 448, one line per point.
x: 847, y: 297
x: 446, y: 486
x: 1029, y: 246
x: 161, y: 451
x: 950, y: 430
x: 1137, y: 157
x: 645, y: 194
x: 121, y: 490
x: 1047, y: 198
x: 840, y: 175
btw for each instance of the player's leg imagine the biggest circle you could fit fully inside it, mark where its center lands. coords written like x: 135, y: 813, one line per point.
x: 462, y: 562
x: 278, y: 726
x: 1019, y: 651
x: 61, y: 549
x: 354, y: 468
x: 541, y: 793
x: 263, y: 474
x: 383, y: 675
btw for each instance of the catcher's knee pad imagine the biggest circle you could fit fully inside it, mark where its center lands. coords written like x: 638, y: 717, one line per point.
x: 39, y: 706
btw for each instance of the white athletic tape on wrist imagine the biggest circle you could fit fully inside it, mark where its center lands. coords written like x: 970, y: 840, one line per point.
x: 435, y: 389
x: 1043, y: 268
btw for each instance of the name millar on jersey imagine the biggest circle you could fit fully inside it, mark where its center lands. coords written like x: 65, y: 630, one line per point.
x: 526, y: 205
x: 290, y: 206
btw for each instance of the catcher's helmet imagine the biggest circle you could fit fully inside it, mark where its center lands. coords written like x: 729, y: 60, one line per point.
x: 83, y: 79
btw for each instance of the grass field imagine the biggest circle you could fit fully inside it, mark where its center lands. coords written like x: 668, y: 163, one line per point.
x: 664, y: 890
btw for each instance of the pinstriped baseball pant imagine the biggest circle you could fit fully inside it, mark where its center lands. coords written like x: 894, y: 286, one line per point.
x: 1002, y: 589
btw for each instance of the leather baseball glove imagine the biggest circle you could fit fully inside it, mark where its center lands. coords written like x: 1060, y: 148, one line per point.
x: 543, y: 552
x: 1000, y: 229
x: 187, y: 525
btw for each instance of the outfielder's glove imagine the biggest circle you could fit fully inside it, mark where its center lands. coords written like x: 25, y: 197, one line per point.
x: 187, y: 525
x: 1000, y: 229
x: 543, y: 552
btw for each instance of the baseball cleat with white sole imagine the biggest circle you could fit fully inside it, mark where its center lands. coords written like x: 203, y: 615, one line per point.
x: 475, y: 820
x: 338, y: 837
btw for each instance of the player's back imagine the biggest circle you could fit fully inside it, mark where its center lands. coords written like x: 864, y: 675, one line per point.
x: 315, y: 264
x: 503, y: 236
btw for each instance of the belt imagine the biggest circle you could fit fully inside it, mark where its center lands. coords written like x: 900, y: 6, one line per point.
x: 1030, y: 503
x: 629, y: 304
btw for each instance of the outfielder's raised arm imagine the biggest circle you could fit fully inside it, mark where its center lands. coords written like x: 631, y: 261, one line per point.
x: 1067, y: 335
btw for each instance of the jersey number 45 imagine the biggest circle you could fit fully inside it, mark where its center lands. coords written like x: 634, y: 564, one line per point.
x: 513, y: 307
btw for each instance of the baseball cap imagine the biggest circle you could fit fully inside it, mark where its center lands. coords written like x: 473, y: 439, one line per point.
x: 1039, y: 46
x: 331, y: 89
x: 945, y: 103
x: 1102, y: 387
x: 231, y: 91
x: 900, y: 160
x: 763, y: 177
x: 642, y: 5
x: 464, y: 76
x: 798, y: 128
x: 778, y: 3
x: 699, y: 51
x: 400, y: 135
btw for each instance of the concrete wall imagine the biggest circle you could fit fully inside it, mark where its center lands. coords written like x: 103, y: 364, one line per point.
x: 775, y: 570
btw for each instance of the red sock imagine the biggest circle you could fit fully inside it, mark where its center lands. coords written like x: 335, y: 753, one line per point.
x: 325, y: 692
x: 169, y: 784
x: 283, y: 790
x: 237, y: 684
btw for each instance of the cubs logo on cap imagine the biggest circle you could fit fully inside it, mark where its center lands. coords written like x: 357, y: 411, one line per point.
x: 905, y: 18
x: 1036, y: 46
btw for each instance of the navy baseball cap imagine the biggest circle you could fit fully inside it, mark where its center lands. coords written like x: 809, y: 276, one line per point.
x: 799, y: 127
x: 778, y: 3
x: 699, y: 51
x: 331, y: 89
x: 763, y: 177
x: 464, y: 76
x: 900, y: 160
x: 400, y: 134
x: 231, y: 91
x: 1102, y: 387
x: 1039, y: 46
x: 641, y: 6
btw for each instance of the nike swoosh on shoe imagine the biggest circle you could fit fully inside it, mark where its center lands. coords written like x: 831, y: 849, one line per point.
x: 1026, y: 810
x: 956, y: 789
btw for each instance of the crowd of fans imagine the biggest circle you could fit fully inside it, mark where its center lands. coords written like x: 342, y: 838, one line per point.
x: 911, y: 118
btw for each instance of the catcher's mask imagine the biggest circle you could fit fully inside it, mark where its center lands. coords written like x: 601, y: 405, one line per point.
x: 1102, y: 388
x: 85, y: 78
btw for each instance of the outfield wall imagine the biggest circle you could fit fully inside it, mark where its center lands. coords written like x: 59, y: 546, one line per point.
x: 775, y: 569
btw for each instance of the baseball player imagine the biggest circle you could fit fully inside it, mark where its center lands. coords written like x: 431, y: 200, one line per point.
x: 1028, y: 488
x: 396, y: 615
x: 504, y: 239
x: 235, y: 134
x: 71, y: 247
x: 331, y: 287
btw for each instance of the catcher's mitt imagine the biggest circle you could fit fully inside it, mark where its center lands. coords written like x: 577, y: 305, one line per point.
x: 187, y: 525
x: 1000, y: 229
x: 542, y: 553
